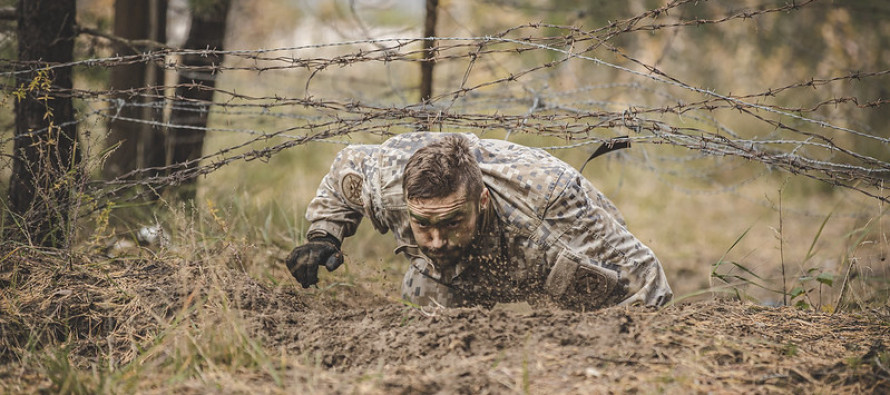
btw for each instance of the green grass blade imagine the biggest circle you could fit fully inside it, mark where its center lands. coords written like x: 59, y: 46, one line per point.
x: 816, y: 238
x: 725, y: 253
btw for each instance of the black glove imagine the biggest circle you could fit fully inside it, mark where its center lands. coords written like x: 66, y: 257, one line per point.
x: 304, y: 260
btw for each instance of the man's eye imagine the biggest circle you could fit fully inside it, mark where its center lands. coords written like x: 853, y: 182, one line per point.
x: 453, y: 224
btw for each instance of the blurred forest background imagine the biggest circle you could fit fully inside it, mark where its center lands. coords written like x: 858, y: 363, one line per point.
x: 759, y: 128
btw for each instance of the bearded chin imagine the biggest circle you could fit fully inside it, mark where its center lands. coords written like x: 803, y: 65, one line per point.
x: 446, y: 259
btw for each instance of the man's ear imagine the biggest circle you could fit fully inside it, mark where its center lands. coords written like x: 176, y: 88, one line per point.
x: 484, y: 199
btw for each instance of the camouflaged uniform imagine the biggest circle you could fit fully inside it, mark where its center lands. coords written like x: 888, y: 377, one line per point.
x: 548, y: 234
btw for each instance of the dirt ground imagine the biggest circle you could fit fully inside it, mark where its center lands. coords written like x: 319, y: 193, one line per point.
x: 159, y: 326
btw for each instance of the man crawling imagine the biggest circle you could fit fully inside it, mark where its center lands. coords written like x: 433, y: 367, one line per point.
x: 481, y: 222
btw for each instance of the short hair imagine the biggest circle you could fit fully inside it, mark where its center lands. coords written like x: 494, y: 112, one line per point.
x: 441, y: 168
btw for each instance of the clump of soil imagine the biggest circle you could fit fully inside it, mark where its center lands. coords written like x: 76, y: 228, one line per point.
x: 102, y: 310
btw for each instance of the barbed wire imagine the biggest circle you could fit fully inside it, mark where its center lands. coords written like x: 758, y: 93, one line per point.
x: 498, y: 82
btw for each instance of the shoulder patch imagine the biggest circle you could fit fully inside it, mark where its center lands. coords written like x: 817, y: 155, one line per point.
x: 351, y: 186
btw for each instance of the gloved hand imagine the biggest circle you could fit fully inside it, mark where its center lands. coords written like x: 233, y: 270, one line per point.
x: 304, y: 260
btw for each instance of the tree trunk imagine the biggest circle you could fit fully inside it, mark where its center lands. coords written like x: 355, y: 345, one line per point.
x: 154, y: 147
x: 141, y: 144
x: 426, y: 67
x: 194, y: 91
x: 45, y: 152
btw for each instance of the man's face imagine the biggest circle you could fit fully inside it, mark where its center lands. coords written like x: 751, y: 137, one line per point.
x: 445, y: 227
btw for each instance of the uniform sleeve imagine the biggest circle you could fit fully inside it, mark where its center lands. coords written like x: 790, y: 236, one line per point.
x: 338, y: 205
x: 595, y: 259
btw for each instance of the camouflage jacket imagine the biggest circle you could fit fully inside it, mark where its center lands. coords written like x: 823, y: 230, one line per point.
x: 549, y: 234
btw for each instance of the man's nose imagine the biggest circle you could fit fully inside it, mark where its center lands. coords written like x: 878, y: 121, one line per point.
x: 437, y: 239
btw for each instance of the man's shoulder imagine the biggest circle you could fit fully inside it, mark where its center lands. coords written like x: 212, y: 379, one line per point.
x: 528, y: 167
x: 526, y: 181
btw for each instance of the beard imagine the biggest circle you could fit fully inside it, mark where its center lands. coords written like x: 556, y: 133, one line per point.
x: 446, y: 257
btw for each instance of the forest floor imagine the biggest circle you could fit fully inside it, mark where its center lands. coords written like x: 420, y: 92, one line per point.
x: 152, y: 325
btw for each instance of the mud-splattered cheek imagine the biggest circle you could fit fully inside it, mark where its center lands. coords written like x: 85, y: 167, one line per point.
x: 462, y: 236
